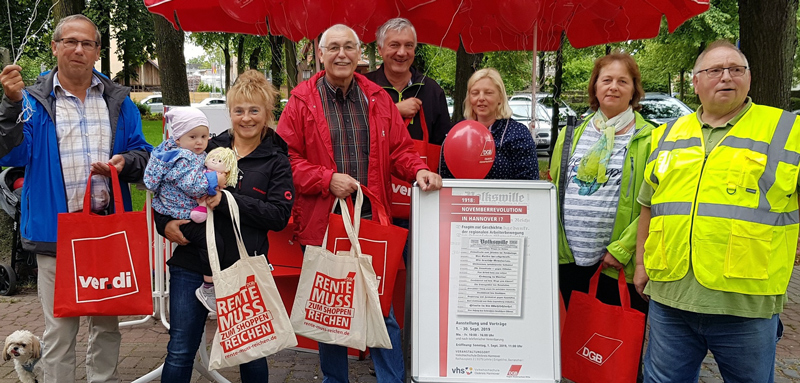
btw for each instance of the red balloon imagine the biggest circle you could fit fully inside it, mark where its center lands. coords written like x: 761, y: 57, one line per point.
x: 18, y: 183
x: 469, y: 150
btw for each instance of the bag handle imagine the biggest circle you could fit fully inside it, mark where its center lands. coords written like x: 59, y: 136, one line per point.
x: 624, y: 295
x: 115, y: 188
x: 211, y: 243
x: 345, y: 206
x: 566, y: 150
x: 424, y: 126
x: 352, y: 231
x: 383, y: 218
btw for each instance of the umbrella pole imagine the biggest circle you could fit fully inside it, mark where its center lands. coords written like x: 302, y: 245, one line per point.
x: 534, y: 70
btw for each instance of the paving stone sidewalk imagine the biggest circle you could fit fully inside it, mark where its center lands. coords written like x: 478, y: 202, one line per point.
x: 144, y: 347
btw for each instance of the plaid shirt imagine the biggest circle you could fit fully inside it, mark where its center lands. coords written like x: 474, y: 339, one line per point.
x: 347, y: 122
x: 83, y: 130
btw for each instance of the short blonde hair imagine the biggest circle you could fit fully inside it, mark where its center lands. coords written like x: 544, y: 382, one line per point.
x: 504, y: 111
x: 251, y: 86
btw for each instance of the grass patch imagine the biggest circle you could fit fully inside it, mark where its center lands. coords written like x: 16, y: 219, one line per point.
x: 544, y: 168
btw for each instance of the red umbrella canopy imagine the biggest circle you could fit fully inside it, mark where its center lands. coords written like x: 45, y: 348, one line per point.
x: 482, y: 25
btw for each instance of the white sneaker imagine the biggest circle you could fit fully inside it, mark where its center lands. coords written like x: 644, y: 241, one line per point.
x: 207, y: 298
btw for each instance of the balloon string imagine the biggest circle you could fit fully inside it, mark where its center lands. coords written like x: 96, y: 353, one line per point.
x: 441, y: 43
x: 27, y: 108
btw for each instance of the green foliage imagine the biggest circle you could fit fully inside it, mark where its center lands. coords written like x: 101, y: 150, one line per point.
x: 202, y: 62
x: 132, y: 27
x: 143, y: 109
x: 203, y: 87
x: 21, y: 14
x: 514, y: 67
x: 441, y: 66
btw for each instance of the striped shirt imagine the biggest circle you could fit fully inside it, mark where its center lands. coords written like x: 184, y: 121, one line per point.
x: 590, y: 208
x: 348, y: 123
x: 83, y: 130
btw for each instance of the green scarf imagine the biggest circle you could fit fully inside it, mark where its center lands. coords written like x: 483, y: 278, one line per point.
x: 594, y: 163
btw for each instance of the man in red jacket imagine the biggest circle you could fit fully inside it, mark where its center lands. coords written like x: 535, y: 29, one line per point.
x: 344, y: 130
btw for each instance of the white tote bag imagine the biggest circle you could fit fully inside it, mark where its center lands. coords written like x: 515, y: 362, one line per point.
x: 331, y: 301
x: 251, y: 320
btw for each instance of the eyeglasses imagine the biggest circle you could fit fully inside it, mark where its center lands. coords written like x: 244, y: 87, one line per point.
x: 348, y: 48
x: 734, y: 71
x: 87, y: 45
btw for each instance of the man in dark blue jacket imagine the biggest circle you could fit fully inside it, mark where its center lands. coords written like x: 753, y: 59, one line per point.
x: 71, y: 122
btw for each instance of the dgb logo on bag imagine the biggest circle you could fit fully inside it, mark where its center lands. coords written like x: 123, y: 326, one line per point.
x: 242, y: 317
x: 598, y: 349
x: 96, y: 281
x: 331, y: 301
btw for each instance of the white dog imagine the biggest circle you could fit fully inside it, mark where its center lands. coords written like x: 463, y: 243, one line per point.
x: 25, y: 349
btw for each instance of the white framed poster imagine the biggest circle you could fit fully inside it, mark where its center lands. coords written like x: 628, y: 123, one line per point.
x: 484, y: 272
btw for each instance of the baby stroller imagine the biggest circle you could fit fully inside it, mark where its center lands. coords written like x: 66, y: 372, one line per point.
x: 23, y: 263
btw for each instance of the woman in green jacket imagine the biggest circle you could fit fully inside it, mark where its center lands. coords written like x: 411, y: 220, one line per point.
x: 598, y: 174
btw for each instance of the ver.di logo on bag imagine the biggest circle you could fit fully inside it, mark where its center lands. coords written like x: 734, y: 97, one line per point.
x: 243, y: 318
x: 331, y: 301
x: 94, y: 283
x: 598, y: 349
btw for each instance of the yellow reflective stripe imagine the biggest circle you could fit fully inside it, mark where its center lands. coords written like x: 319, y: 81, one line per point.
x: 667, y: 128
x: 776, y: 152
x: 745, y: 143
x: 747, y: 214
x: 655, y: 152
x: 671, y: 208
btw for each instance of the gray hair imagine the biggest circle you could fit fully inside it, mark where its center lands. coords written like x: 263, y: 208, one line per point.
x: 398, y: 24
x: 337, y: 28
x: 717, y: 44
x: 57, y: 32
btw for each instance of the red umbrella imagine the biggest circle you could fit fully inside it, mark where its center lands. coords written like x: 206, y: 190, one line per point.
x: 482, y: 25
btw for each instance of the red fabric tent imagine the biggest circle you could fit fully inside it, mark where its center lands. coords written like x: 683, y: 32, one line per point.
x: 482, y: 25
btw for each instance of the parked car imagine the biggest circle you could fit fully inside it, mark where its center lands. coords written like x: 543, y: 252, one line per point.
x: 154, y: 103
x: 546, y: 99
x: 662, y: 108
x: 210, y: 101
x: 521, y: 111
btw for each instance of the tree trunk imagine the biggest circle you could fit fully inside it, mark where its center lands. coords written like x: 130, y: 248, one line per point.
x: 682, y: 84
x: 371, y: 48
x: 171, y: 63
x: 255, y: 55
x: 276, y: 63
x: 767, y: 30
x: 669, y: 83
x: 103, y: 25
x: 466, y: 65
x: 226, y: 51
x: 240, y: 55
x: 64, y: 8
x: 126, y: 70
x: 557, y: 81
x: 291, y: 65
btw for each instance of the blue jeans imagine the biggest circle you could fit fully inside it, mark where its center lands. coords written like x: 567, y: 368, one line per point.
x: 187, y: 319
x: 744, y: 348
x: 389, y: 364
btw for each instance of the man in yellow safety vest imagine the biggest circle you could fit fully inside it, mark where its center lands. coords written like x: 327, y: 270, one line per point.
x: 718, y: 229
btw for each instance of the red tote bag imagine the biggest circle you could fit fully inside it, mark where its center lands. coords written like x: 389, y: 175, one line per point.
x: 601, y: 343
x: 429, y: 153
x: 102, y: 261
x: 382, y: 240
